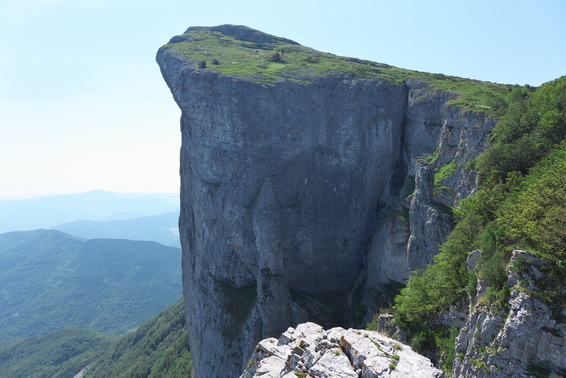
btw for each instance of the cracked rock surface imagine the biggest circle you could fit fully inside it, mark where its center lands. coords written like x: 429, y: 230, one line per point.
x: 526, y: 336
x: 311, y: 351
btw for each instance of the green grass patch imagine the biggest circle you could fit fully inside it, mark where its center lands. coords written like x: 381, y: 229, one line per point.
x: 443, y: 172
x: 404, y: 214
x: 479, y: 364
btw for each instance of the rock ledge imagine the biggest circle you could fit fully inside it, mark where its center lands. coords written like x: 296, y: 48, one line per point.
x: 311, y: 351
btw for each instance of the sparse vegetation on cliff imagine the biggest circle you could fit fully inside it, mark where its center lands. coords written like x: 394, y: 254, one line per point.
x: 281, y: 59
x: 520, y: 204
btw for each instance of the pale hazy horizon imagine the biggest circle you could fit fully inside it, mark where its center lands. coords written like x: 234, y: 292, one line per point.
x: 84, y: 106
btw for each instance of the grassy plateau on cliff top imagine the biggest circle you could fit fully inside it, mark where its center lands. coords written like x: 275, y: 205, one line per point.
x: 282, y: 60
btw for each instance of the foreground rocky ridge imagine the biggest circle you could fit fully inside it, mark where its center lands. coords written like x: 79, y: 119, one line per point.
x: 302, y: 200
x: 524, y: 340
x: 524, y: 337
x: 310, y: 351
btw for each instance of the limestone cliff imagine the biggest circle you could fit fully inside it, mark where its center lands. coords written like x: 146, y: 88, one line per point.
x: 304, y: 188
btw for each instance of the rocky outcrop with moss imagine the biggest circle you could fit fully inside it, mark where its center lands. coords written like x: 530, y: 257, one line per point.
x: 522, y: 339
x: 298, y: 192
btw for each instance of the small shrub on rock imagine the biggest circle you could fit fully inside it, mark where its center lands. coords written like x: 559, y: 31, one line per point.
x: 277, y: 58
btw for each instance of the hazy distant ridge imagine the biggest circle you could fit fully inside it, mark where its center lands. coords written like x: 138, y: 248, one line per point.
x: 161, y: 228
x: 97, y: 205
x: 51, y: 280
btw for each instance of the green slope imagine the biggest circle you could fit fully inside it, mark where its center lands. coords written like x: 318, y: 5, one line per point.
x: 50, y: 280
x: 62, y: 354
x: 159, y: 348
x: 243, y: 52
x: 520, y: 204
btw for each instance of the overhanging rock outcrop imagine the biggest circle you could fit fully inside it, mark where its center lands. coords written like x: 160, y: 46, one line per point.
x: 295, y: 191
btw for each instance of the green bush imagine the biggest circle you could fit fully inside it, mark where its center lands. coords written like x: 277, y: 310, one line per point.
x: 277, y: 58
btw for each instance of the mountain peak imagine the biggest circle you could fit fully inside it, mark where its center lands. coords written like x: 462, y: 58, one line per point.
x: 244, y: 33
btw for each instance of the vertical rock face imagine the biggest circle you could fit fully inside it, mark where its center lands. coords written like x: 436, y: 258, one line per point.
x: 289, y: 191
x: 429, y: 224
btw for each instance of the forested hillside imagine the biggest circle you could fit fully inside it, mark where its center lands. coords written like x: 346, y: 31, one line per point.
x: 60, y: 354
x: 520, y: 204
x: 50, y: 280
x: 159, y: 348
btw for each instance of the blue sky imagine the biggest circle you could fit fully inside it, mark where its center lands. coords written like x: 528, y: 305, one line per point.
x: 83, y: 105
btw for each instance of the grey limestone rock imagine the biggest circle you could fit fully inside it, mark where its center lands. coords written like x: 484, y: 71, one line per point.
x: 291, y: 194
x: 507, y: 343
x: 311, y: 351
x: 429, y: 223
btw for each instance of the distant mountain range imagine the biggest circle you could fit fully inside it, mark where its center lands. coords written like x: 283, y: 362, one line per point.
x: 161, y: 228
x: 97, y: 205
x: 50, y: 280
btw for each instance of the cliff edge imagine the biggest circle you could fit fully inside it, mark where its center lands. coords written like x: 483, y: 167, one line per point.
x: 310, y: 183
